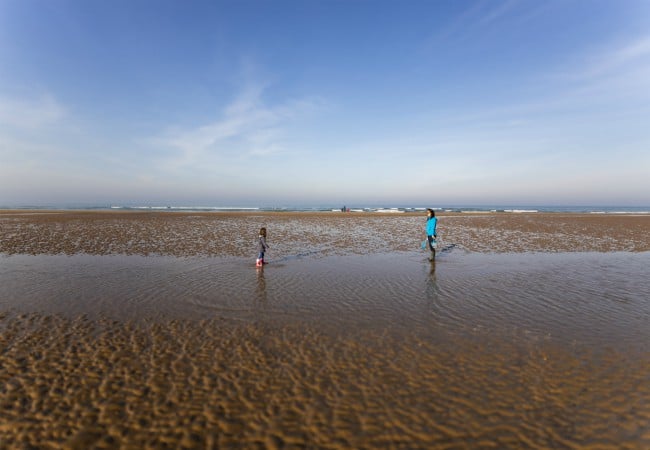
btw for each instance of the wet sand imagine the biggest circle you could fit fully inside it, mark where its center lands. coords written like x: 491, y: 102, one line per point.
x: 212, y: 384
x: 230, y: 234
x: 162, y: 336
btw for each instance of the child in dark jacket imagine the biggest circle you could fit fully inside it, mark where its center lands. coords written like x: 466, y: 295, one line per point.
x: 261, y: 247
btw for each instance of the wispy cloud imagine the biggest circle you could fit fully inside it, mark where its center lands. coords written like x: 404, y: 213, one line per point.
x: 613, y: 78
x: 596, y: 86
x: 497, y: 10
x: 247, y: 126
x: 628, y: 56
x: 484, y: 15
x: 30, y: 113
x: 29, y: 129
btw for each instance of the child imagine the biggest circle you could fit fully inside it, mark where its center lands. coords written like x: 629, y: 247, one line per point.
x: 261, y: 247
x: 431, y: 232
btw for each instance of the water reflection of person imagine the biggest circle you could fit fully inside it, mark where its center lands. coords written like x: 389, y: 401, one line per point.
x: 431, y: 286
x: 432, y: 221
x: 261, y: 284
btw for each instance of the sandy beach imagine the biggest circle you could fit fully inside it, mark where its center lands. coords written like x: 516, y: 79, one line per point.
x: 230, y: 234
x: 154, y: 330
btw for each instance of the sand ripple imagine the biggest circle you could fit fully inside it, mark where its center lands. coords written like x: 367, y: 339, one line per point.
x: 77, y: 383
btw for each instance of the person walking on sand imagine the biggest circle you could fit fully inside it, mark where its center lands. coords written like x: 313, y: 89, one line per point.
x: 432, y: 221
x: 261, y: 247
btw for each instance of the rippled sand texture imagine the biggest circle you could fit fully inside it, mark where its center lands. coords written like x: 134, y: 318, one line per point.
x: 84, y: 384
x: 223, y: 234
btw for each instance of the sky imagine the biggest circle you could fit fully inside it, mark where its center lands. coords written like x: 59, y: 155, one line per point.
x: 358, y: 102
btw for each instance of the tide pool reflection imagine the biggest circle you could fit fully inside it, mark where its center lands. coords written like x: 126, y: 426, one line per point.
x: 261, y: 285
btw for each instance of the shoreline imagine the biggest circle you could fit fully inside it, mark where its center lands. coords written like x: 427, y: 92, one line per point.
x: 351, y: 212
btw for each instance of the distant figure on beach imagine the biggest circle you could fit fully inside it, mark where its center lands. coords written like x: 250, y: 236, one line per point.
x: 432, y: 221
x: 261, y: 247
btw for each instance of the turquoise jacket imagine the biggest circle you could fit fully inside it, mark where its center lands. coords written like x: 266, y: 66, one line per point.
x: 431, y: 226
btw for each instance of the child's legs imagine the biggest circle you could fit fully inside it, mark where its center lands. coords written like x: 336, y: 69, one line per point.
x: 430, y: 240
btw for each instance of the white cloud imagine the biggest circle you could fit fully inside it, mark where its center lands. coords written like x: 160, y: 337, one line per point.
x: 636, y: 53
x: 497, y: 11
x: 248, y: 126
x: 30, y: 113
x: 30, y: 129
x: 617, y: 64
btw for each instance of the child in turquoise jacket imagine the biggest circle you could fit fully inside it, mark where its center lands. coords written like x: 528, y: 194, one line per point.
x: 432, y: 221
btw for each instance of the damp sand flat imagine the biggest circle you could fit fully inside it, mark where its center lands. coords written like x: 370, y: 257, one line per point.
x: 231, y: 234
x: 332, y: 345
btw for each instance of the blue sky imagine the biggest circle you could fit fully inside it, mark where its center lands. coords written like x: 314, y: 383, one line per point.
x: 276, y: 103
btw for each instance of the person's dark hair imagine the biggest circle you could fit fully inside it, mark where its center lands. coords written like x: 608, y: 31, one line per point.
x: 433, y: 213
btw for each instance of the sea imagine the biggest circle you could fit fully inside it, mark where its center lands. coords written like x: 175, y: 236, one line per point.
x: 578, y: 209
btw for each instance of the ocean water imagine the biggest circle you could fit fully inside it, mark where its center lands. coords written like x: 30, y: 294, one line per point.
x: 389, y: 208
